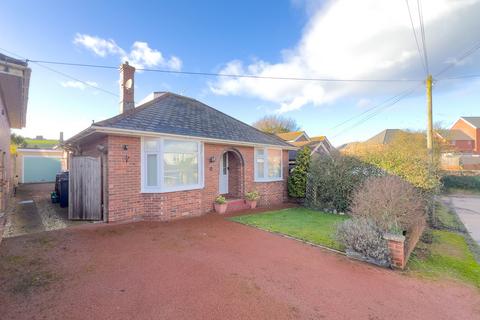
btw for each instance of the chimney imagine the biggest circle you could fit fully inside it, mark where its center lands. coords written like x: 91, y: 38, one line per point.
x: 127, y: 98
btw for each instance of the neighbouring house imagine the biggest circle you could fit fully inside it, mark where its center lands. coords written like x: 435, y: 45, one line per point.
x: 14, y: 87
x: 39, y: 160
x: 319, y: 144
x: 172, y: 155
x: 463, y: 136
x: 462, y: 143
x: 384, y: 137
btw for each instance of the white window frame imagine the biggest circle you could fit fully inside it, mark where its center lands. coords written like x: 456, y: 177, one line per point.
x: 161, y: 188
x: 265, y: 165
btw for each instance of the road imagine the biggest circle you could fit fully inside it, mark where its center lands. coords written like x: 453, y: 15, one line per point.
x: 468, y: 209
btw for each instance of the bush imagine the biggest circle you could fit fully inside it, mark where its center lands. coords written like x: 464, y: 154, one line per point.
x: 220, y: 199
x: 393, y: 204
x: 406, y: 156
x: 365, y: 237
x: 297, y: 180
x: 252, y: 195
x: 471, y: 183
x: 332, y: 180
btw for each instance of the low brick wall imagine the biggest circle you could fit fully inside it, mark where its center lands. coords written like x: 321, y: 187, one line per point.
x: 396, y: 246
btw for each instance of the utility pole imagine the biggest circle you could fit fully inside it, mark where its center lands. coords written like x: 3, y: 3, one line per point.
x: 429, y: 117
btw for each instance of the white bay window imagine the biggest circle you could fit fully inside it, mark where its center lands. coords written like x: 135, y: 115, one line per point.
x: 171, y: 165
x: 268, y: 164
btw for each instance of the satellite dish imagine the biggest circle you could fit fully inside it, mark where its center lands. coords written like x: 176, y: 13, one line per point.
x: 128, y: 84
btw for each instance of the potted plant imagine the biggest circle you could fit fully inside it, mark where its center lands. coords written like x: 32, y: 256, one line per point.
x: 220, y: 204
x: 251, y: 198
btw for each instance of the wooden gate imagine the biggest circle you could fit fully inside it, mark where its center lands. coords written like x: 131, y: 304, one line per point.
x: 85, y: 189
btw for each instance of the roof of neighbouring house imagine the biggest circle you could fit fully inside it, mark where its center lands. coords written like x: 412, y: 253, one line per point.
x: 453, y: 135
x: 317, y: 138
x: 171, y: 113
x: 475, y: 121
x: 290, y: 136
x: 384, y: 137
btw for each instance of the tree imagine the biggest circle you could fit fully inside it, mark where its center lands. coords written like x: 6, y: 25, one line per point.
x: 18, y: 140
x: 297, y: 181
x: 276, y: 124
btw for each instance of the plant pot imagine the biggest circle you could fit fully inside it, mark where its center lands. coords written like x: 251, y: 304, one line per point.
x: 220, y: 208
x: 252, y: 203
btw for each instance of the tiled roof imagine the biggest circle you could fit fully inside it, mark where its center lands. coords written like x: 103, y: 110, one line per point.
x: 175, y: 114
x: 317, y: 138
x: 290, y: 136
x: 384, y: 137
x: 475, y: 121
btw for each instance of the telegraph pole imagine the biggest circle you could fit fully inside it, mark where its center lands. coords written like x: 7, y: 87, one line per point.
x: 429, y: 118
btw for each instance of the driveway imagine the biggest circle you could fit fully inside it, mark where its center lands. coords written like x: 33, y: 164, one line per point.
x: 31, y: 211
x: 206, y: 268
x: 468, y: 209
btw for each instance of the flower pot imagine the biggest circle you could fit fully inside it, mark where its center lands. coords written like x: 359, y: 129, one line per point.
x: 252, y: 203
x: 220, y: 207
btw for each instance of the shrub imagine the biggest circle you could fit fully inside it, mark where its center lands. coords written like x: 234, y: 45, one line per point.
x: 471, y: 183
x: 297, y: 180
x: 365, y: 237
x: 252, y: 195
x: 332, y: 180
x: 393, y: 204
x: 220, y: 199
x: 406, y: 156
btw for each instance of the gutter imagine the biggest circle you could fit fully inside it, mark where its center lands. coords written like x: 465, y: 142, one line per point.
x: 107, y: 130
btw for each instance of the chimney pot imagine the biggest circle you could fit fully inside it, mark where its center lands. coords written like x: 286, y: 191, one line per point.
x: 127, y: 96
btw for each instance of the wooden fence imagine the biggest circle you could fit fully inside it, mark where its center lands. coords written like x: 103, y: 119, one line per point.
x: 85, y: 189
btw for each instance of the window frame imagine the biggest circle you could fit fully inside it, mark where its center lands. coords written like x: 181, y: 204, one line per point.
x: 161, y: 187
x: 265, y: 165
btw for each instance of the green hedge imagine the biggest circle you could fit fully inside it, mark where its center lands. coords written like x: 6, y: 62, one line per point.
x: 461, y: 182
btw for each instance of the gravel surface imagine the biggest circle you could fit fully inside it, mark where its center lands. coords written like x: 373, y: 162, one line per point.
x: 206, y: 268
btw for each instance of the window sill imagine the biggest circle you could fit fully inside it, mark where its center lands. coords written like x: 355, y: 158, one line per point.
x: 169, y: 190
x: 268, y: 180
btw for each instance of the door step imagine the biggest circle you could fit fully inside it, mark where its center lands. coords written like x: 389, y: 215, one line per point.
x: 236, y: 205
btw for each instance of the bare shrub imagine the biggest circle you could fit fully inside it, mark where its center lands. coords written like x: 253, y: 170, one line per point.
x: 393, y: 204
x: 363, y: 236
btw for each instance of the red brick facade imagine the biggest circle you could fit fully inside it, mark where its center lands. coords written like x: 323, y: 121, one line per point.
x: 472, y: 132
x: 127, y: 202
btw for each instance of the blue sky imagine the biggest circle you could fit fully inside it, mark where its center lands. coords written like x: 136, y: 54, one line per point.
x: 300, y: 38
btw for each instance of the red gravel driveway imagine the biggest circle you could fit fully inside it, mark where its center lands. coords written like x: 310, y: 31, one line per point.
x: 206, y: 268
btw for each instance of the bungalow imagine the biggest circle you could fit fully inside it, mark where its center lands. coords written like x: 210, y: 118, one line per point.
x: 172, y: 155
x: 319, y: 144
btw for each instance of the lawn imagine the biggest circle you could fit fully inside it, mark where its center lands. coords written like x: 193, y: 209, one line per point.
x: 304, y: 224
x: 447, y: 256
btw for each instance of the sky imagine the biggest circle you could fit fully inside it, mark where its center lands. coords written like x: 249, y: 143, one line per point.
x: 343, y: 39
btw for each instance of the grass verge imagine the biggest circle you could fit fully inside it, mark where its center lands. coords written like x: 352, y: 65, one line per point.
x: 445, y: 255
x: 301, y: 223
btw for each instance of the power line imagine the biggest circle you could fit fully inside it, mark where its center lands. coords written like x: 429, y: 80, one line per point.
x: 415, y: 37
x: 62, y: 73
x: 466, y: 76
x: 422, y: 29
x: 368, y: 110
x: 395, y: 99
x: 212, y: 74
x: 464, y: 55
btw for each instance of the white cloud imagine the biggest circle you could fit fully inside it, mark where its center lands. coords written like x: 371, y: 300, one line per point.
x: 140, y: 55
x: 78, y: 84
x: 370, y: 39
x: 101, y: 47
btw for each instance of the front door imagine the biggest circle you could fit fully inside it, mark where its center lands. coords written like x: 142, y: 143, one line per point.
x: 223, y: 186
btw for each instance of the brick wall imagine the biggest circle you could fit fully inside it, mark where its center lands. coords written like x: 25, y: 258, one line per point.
x: 126, y: 202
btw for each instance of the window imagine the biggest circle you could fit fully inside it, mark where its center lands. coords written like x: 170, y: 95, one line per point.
x: 268, y: 164
x: 171, y: 165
